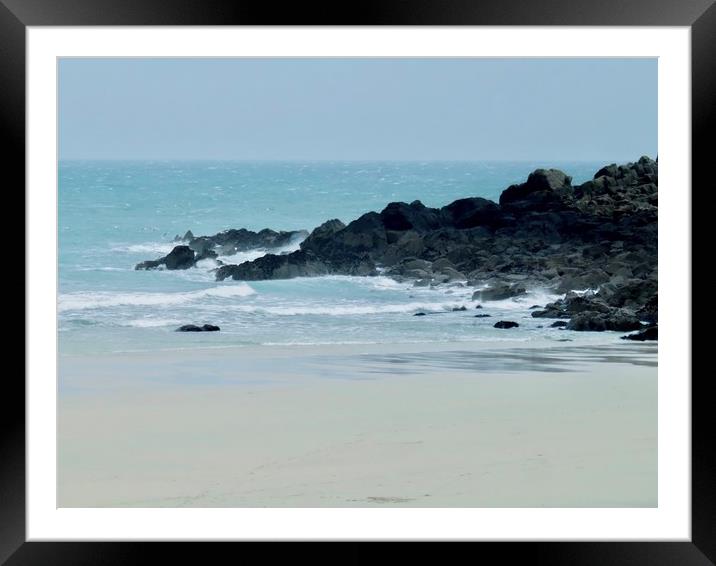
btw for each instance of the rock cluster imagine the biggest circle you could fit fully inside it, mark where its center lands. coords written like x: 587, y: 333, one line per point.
x: 542, y: 232
x: 225, y: 243
x: 545, y: 232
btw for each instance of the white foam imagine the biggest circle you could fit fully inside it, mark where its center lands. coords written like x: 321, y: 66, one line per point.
x: 524, y: 302
x: 151, y: 323
x: 347, y: 310
x: 162, y: 248
x: 83, y: 301
x: 103, y: 269
x: 251, y: 255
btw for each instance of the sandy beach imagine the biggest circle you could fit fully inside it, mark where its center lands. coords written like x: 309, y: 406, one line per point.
x: 441, y: 425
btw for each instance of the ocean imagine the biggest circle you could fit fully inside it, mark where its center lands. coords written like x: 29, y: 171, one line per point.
x: 114, y: 214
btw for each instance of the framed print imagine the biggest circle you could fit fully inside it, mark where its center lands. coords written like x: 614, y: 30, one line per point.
x: 292, y: 277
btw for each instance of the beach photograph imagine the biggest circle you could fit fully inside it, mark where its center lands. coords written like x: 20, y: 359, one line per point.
x: 357, y: 282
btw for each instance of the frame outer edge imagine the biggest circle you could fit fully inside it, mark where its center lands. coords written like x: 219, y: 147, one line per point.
x: 12, y: 415
x: 12, y: 129
x: 703, y: 454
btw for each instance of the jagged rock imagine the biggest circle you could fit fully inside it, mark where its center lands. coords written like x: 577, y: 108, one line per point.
x: 558, y: 324
x: 181, y: 257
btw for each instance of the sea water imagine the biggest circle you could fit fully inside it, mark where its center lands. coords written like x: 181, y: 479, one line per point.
x: 114, y: 214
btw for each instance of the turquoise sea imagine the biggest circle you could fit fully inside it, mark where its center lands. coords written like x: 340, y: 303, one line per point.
x: 113, y: 214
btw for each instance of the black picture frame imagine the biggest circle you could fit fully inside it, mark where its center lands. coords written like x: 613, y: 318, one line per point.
x: 17, y: 15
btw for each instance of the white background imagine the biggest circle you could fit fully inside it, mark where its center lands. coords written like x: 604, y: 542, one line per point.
x: 671, y: 520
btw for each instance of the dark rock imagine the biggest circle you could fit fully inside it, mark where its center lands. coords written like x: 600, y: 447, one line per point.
x: 321, y: 236
x: 471, y: 212
x: 558, y: 324
x: 619, y: 320
x: 400, y: 216
x: 419, y: 314
x: 149, y: 264
x: 270, y: 266
x: 506, y: 324
x: 651, y: 333
x: 650, y: 311
x: 181, y: 257
x: 544, y: 232
x: 571, y: 305
x: 195, y: 328
x: 483, y: 315
x: 232, y: 241
x: 544, y: 189
x: 462, y: 308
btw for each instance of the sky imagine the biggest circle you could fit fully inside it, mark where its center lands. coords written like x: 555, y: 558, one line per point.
x: 358, y: 109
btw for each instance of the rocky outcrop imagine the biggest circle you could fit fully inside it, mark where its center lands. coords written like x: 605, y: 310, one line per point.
x: 544, y: 231
x: 225, y: 243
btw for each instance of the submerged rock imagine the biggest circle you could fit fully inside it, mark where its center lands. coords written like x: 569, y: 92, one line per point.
x: 506, y: 324
x: 651, y: 333
x: 195, y: 328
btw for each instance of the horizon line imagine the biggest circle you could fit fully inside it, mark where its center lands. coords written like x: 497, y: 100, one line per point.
x: 320, y: 160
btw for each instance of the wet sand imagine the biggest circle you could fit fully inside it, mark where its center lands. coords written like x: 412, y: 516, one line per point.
x: 455, y: 425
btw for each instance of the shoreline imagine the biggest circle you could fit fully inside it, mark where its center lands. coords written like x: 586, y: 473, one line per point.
x: 319, y: 427
x: 297, y: 361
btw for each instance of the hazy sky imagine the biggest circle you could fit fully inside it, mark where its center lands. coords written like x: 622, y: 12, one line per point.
x: 401, y: 109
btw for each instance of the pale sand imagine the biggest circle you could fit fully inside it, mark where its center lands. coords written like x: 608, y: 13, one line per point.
x: 360, y: 426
